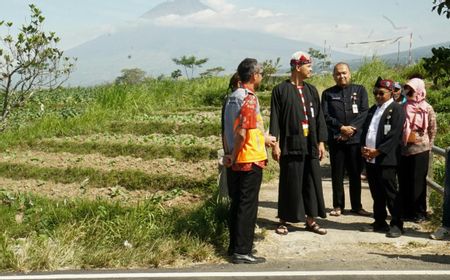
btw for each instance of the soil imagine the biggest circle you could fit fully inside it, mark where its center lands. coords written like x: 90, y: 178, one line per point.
x: 203, y: 168
x: 114, y: 193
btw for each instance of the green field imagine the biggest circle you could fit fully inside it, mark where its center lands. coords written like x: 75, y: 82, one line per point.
x: 125, y: 176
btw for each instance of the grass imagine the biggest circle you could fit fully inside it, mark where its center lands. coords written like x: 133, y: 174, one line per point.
x: 97, y: 234
x: 181, y: 153
x: 145, y: 128
x: 43, y: 234
x: 129, y: 179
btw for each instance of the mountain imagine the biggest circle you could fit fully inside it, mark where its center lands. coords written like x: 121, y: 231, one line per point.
x: 416, y: 54
x: 152, y: 47
x: 402, y: 57
x: 178, y: 7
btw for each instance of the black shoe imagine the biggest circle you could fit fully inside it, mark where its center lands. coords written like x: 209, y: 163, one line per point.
x: 230, y: 251
x: 246, y: 258
x: 374, y: 227
x: 394, y: 232
x: 419, y: 219
x: 408, y: 219
x: 361, y: 212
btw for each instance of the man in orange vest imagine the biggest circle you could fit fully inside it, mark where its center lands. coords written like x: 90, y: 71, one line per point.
x: 245, y: 158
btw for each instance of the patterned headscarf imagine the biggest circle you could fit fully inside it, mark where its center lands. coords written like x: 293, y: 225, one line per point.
x: 416, y: 109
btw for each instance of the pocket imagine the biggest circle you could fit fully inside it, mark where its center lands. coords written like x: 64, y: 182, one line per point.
x: 294, y: 143
x: 412, y: 137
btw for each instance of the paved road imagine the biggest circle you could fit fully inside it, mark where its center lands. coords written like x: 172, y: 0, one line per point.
x: 325, y: 275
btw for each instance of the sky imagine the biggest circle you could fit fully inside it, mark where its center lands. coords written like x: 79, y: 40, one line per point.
x: 338, y: 25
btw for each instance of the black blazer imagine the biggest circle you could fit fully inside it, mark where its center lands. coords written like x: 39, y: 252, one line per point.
x: 286, y: 114
x: 387, y: 144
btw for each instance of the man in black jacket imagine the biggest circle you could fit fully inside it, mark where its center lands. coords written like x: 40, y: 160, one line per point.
x: 345, y: 108
x: 296, y: 119
x: 381, y: 140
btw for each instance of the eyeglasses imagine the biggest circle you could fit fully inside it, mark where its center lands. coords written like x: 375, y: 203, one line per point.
x: 378, y: 92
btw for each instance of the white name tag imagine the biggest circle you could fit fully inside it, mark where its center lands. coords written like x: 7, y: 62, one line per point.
x: 387, y: 128
x: 312, y: 110
x: 355, y: 109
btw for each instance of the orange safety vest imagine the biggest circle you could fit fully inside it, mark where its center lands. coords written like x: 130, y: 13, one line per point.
x: 254, y: 148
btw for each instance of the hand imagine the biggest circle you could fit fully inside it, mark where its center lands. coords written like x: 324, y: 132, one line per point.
x: 341, y: 138
x: 369, y: 153
x: 276, y: 152
x: 270, y: 140
x: 227, y: 161
x: 348, y: 131
x: 321, y: 150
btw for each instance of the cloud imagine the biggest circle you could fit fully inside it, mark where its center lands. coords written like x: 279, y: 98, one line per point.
x: 219, y: 5
x: 222, y: 14
x: 260, y: 13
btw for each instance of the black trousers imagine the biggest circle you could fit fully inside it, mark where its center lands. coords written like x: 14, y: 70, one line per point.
x: 413, y: 172
x: 346, y: 157
x: 300, y: 191
x: 384, y: 190
x: 243, y: 189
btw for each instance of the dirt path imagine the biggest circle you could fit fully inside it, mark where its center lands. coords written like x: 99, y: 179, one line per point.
x: 344, y: 243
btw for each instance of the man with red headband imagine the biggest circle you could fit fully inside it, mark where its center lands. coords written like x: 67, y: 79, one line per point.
x: 381, y: 141
x: 296, y: 119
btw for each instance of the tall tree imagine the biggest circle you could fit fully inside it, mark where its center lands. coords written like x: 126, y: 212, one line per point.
x: 270, y: 67
x: 191, y: 63
x: 324, y: 62
x: 29, y: 62
x: 176, y: 74
x: 438, y: 66
x: 442, y: 7
x: 212, y: 71
x: 131, y: 76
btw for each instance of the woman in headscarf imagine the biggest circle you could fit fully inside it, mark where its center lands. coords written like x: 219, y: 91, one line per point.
x: 418, y: 137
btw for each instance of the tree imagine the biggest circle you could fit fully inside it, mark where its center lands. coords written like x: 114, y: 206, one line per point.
x: 212, y: 71
x: 29, y: 62
x: 131, y: 76
x: 176, y: 74
x: 442, y: 7
x: 189, y: 63
x: 270, y: 67
x: 438, y: 67
x: 324, y: 63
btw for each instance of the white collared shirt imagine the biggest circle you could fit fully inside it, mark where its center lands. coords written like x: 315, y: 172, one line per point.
x: 371, y: 137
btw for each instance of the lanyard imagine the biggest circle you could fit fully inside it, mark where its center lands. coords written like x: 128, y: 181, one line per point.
x: 304, y: 123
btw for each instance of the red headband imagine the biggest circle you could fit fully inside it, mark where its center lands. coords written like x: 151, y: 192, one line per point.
x: 301, y: 61
x: 386, y: 84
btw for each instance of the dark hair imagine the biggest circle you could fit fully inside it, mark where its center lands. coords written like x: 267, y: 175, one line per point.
x: 234, y: 82
x: 340, y: 63
x: 247, y: 68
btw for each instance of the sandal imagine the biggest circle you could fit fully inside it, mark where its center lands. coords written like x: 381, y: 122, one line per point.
x: 281, y: 229
x: 314, y: 227
x: 336, y: 212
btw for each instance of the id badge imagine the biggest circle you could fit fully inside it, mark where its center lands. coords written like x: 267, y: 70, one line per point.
x: 355, y: 108
x: 305, y: 127
x: 387, y: 128
x: 312, y: 111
